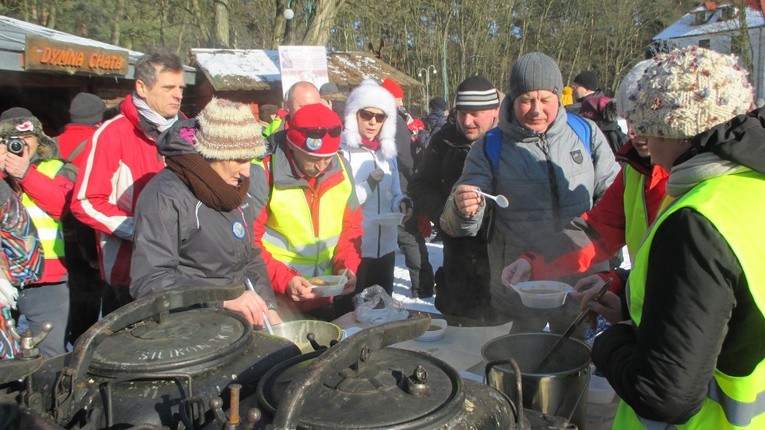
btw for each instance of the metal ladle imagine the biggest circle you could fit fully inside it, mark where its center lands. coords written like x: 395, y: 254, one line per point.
x: 266, y: 322
x: 499, y: 199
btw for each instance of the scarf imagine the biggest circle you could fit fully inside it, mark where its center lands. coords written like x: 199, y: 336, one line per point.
x: 697, y: 169
x: 151, y: 115
x: 373, y: 144
x: 206, y: 184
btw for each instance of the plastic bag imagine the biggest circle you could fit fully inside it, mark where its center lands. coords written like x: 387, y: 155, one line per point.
x: 375, y: 306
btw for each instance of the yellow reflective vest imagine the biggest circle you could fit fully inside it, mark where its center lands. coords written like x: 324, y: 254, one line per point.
x: 49, y: 230
x: 290, y: 237
x: 729, y: 203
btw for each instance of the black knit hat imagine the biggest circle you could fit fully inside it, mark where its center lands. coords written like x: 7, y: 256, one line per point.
x: 438, y: 103
x: 87, y: 109
x: 476, y: 93
x: 588, y: 79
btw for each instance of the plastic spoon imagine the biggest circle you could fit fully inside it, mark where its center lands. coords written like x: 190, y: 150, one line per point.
x: 500, y: 199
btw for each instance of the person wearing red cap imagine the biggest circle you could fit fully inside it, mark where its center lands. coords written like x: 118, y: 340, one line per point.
x: 311, y: 222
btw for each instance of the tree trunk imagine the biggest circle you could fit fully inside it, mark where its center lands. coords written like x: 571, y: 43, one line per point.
x: 119, y: 11
x: 221, y: 24
x: 204, y: 32
x: 321, y: 21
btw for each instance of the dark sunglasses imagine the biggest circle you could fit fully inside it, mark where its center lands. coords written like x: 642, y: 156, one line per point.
x: 319, y: 132
x: 367, y: 115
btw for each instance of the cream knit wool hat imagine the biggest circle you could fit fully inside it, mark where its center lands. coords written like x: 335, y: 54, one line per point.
x: 687, y: 91
x: 228, y: 131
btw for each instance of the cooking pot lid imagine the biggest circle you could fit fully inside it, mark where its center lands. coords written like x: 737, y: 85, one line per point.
x: 191, y: 340
x: 392, y: 388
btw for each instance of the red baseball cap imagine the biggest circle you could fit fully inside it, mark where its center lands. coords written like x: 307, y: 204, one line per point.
x: 315, y: 129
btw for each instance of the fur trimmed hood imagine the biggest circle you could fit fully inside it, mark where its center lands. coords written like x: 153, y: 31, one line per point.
x: 370, y: 94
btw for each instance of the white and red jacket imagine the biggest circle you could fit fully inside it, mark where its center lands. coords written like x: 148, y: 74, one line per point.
x: 120, y: 160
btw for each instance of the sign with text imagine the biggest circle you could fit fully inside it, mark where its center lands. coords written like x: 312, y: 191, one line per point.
x: 302, y: 63
x: 41, y: 53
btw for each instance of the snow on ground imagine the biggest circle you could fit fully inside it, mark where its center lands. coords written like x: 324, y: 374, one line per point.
x: 402, y: 285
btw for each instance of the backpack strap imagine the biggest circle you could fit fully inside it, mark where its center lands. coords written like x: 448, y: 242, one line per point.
x: 492, y: 147
x: 582, y: 129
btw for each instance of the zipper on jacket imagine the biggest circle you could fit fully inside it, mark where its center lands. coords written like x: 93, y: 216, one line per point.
x: 545, y: 147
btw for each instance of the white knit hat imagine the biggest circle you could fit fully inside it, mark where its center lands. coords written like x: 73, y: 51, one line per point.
x: 370, y: 94
x: 229, y: 131
x: 625, y: 97
x: 688, y: 91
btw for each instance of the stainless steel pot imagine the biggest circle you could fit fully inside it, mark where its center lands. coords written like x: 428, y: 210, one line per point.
x: 561, y: 391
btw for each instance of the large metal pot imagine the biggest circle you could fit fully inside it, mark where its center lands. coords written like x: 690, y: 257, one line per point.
x: 560, y: 391
x: 360, y: 384
x: 297, y: 332
x: 146, y: 366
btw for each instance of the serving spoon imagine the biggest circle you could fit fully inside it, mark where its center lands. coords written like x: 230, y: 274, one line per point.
x: 266, y: 322
x: 499, y: 199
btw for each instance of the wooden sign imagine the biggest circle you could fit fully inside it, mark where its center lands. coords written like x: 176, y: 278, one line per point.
x: 45, y: 54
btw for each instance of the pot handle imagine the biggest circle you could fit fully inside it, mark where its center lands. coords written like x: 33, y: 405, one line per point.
x: 518, y: 386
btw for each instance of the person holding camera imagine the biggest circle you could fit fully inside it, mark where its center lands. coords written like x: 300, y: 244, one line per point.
x: 29, y: 162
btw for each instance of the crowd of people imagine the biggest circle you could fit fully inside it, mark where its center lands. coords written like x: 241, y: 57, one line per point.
x: 148, y: 200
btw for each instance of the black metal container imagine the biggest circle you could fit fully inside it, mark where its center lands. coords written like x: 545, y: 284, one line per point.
x: 144, y: 365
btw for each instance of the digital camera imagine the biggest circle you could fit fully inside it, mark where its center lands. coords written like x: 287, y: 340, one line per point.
x: 15, y: 145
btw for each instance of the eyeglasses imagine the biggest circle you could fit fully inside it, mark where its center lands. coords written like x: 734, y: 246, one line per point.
x: 367, y: 115
x: 319, y: 132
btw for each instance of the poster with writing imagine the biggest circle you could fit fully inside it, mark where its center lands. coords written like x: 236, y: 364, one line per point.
x: 302, y: 63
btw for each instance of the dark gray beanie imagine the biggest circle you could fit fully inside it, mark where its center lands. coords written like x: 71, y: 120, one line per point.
x: 87, y: 109
x: 535, y: 71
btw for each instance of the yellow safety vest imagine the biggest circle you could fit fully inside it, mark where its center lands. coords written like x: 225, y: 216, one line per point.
x: 635, y: 209
x: 729, y: 203
x: 49, y: 230
x: 289, y: 236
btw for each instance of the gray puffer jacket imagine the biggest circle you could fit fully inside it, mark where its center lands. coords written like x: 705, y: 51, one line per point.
x: 549, y: 178
x: 178, y: 241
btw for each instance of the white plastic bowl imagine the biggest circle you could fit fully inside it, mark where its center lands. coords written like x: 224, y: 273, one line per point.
x: 543, y: 294
x: 335, y: 285
x: 434, y: 332
x: 600, y: 391
x: 388, y: 219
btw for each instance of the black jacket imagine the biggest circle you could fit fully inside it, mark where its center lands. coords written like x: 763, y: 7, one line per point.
x: 698, y: 313
x: 438, y: 171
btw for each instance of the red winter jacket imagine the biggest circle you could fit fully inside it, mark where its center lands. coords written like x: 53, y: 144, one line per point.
x: 120, y: 160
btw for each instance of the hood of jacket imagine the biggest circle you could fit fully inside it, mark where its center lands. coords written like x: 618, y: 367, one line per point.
x: 371, y: 95
x: 178, y: 139
x: 739, y: 140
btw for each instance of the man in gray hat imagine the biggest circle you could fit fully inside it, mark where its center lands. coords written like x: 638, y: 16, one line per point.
x: 547, y: 172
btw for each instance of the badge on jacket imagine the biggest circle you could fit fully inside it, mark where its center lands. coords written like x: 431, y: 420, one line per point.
x: 577, y: 156
x: 238, y: 230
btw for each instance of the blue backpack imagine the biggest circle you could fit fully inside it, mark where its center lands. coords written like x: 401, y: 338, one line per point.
x: 493, y: 141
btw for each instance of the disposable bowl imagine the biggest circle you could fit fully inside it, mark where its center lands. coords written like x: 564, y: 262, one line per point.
x: 434, y: 332
x: 328, y: 285
x: 388, y: 219
x: 543, y: 294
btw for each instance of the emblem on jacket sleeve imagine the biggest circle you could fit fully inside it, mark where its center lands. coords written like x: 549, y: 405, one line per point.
x: 577, y: 156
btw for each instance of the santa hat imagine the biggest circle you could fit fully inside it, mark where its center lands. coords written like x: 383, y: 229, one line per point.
x: 393, y: 87
x: 371, y: 95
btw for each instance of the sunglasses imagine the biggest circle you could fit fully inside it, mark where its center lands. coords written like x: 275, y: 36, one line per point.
x: 319, y: 132
x: 367, y: 115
